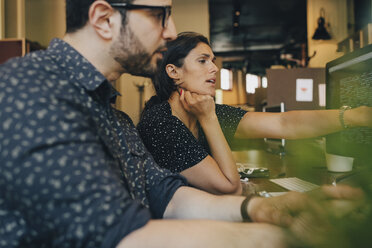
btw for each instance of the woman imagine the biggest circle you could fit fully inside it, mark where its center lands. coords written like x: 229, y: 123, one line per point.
x: 187, y: 132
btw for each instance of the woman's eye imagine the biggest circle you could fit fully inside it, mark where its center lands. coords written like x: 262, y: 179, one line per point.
x: 202, y: 61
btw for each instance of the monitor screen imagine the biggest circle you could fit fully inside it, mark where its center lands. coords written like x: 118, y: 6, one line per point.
x: 349, y: 83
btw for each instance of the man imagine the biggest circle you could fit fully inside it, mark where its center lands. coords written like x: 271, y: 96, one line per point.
x: 74, y: 172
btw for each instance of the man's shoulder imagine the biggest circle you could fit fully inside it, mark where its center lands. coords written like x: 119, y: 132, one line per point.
x: 124, y: 118
x: 35, y: 65
x: 35, y: 79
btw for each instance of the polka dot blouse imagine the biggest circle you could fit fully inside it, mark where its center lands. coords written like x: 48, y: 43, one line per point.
x: 171, y: 143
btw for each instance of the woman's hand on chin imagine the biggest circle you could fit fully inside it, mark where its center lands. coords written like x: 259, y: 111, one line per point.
x: 202, y: 106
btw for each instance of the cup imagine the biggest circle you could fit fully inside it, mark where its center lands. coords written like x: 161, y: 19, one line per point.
x: 337, y: 163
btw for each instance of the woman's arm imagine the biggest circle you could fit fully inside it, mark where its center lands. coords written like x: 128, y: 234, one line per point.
x: 300, y: 124
x: 216, y: 173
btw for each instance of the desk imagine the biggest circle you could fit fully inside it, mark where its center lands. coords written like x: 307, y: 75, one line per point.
x: 305, y: 160
x: 308, y: 163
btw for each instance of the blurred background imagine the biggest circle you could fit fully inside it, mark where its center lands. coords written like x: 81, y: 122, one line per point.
x: 265, y: 49
x: 252, y: 41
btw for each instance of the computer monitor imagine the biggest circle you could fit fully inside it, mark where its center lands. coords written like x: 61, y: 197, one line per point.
x: 349, y: 83
x: 275, y: 145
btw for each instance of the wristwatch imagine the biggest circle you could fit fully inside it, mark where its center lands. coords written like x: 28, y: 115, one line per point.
x: 244, y: 209
x: 341, y: 116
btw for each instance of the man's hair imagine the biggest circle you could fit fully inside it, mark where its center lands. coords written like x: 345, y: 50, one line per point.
x: 77, y: 13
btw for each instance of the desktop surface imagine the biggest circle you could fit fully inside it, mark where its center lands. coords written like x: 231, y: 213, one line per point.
x: 305, y: 159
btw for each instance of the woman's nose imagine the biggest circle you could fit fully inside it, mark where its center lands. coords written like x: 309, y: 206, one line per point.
x: 214, y: 68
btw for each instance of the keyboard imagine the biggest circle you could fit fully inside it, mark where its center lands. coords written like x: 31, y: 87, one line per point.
x: 295, y: 184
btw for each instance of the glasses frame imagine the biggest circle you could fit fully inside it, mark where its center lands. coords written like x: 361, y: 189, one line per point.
x: 167, y: 9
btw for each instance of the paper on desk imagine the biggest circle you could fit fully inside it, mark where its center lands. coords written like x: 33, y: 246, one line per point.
x: 270, y: 194
x: 277, y: 193
x: 242, y: 166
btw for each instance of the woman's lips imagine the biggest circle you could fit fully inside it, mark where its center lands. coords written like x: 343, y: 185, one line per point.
x: 212, y: 81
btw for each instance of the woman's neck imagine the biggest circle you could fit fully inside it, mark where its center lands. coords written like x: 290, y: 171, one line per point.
x: 179, y: 111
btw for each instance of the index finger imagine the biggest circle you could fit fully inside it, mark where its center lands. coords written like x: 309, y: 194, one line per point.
x: 183, y: 100
x: 342, y: 192
x: 189, y: 98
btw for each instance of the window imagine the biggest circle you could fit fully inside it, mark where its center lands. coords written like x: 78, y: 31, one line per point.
x: 264, y: 82
x: 226, y: 79
x: 252, y: 82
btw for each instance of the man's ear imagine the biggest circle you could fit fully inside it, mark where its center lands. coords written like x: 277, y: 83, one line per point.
x: 101, y: 17
x: 172, y: 71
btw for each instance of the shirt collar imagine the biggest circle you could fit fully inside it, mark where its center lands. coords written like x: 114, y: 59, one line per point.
x: 80, y: 69
x: 76, y: 65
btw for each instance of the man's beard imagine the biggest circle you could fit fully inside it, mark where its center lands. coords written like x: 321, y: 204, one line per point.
x: 129, y: 52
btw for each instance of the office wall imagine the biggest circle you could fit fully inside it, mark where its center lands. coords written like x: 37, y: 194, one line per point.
x: 282, y: 87
x: 2, y: 19
x: 237, y: 95
x: 12, y: 19
x: 337, y: 16
x: 191, y: 15
x: 45, y: 19
x: 35, y: 20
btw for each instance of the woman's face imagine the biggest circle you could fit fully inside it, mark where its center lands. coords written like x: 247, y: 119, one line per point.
x: 198, y: 73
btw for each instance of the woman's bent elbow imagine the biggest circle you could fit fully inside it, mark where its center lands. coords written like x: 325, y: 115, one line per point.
x: 233, y: 189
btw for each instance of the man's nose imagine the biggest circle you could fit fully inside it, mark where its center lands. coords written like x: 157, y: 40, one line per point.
x: 170, y: 32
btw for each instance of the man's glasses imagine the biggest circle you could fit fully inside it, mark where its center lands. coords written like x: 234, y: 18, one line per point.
x: 165, y: 9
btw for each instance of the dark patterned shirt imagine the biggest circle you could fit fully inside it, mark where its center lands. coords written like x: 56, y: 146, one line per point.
x: 73, y: 171
x: 172, y: 144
